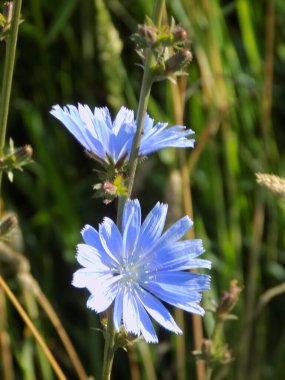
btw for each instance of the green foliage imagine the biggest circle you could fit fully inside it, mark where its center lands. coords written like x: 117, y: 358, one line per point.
x: 80, y: 51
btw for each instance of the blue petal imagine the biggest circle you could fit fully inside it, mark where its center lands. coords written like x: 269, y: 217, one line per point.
x: 146, y: 326
x: 111, y: 239
x: 148, y: 124
x: 102, y: 114
x: 124, y: 117
x: 183, y: 294
x: 103, y: 293
x: 101, y: 120
x: 152, y: 228
x: 95, y: 146
x: 171, y: 293
x: 100, y: 302
x: 196, y: 281
x: 91, y: 237
x: 118, y: 310
x: 120, y: 145
x: 187, y: 302
x: 86, y: 277
x: 175, y: 232
x: 70, y: 118
x: 158, y: 312
x: 131, y: 223
x: 130, y: 313
x: 179, y: 256
x: 96, y: 129
x: 160, y: 137
x: 90, y: 257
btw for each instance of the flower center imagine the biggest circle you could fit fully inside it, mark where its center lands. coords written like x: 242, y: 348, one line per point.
x: 129, y: 273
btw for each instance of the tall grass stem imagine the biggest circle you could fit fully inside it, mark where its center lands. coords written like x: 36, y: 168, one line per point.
x: 33, y: 329
x: 9, y: 64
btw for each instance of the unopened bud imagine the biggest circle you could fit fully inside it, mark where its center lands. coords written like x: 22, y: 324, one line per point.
x: 23, y: 154
x: 109, y: 188
x: 229, y: 299
x: 148, y: 34
x: 178, y: 61
x: 227, y: 356
x: 6, y: 19
x: 180, y: 34
x: 17, y: 158
x: 8, y: 11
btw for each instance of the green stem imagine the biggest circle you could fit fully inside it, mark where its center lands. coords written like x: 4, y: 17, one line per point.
x: 147, y: 82
x: 217, y: 343
x: 8, y: 73
x: 209, y: 372
x: 142, y: 107
x: 109, y: 349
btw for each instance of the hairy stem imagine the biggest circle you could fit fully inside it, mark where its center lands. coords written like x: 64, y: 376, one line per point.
x: 147, y: 82
x: 109, y: 349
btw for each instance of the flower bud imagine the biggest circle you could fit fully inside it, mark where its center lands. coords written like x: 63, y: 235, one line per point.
x: 16, y: 158
x: 180, y: 34
x: 5, y: 20
x: 178, y: 61
x: 148, y: 34
x: 109, y: 188
x: 229, y: 299
x: 23, y: 154
x: 8, y: 11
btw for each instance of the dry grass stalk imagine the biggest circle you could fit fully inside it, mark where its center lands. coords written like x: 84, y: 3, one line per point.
x: 273, y: 182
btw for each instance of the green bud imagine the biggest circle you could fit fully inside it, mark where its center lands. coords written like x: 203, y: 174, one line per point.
x: 16, y: 158
x: 5, y: 19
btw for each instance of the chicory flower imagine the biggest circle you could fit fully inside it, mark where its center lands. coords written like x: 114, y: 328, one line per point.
x: 110, y: 142
x: 134, y: 271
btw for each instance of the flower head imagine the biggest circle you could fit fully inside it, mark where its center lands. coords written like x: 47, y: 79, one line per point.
x: 137, y: 269
x: 110, y: 142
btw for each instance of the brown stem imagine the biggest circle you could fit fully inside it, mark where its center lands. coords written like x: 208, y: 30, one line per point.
x: 178, y: 99
x: 47, y: 307
x: 5, y: 345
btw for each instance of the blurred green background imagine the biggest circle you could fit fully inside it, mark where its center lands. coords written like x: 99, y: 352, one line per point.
x: 80, y: 51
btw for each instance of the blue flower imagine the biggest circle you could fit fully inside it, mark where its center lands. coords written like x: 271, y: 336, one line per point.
x: 137, y: 269
x: 111, y: 142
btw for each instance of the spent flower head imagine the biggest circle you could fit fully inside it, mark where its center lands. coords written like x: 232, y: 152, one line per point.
x: 134, y: 270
